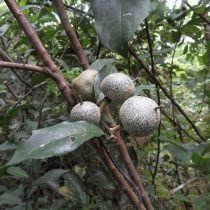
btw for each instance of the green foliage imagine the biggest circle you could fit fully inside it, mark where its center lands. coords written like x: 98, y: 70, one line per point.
x: 56, y: 140
x: 116, y: 21
x: 54, y: 169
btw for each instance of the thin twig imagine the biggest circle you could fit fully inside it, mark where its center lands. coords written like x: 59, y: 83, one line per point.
x: 124, y: 174
x: 118, y: 176
x: 182, y: 185
x: 53, y: 70
x: 165, y: 91
x: 179, y: 126
x: 71, y: 34
x: 26, y: 67
x: 77, y: 10
x: 28, y: 93
x: 202, y: 17
x: 158, y: 96
x: 5, y: 57
x: 10, y: 90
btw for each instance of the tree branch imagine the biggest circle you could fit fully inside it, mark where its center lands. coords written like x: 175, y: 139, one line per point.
x: 5, y: 57
x: 81, y: 56
x: 71, y: 34
x: 28, y: 93
x: 156, y: 81
x: 53, y: 70
x: 25, y: 67
x: 158, y: 96
x: 130, y: 167
x: 10, y: 90
x: 182, y: 185
x: 201, y: 16
x: 118, y: 176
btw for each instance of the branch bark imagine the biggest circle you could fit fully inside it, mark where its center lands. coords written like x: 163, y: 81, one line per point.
x: 119, y: 177
x: 130, y: 167
x: 81, y: 56
x: 5, y: 57
x: 26, y: 67
x: 71, y: 34
x: 53, y: 72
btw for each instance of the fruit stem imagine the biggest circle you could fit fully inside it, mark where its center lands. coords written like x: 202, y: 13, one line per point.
x: 104, y: 104
x: 116, y: 129
x: 80, y: 99
x: 158, y: 107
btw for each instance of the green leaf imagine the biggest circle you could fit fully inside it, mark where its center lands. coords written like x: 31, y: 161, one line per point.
x: 206, y: 149
x: 181, y: 197
x: 12, y: 113
x: 117, y: 20
x: 102, y: 180
x: 184, y: 152
x: 7, y: 146
x: 9, y: 198
x: 56, y: 140
x: 50, y: 176
x: 177, y: 150
x: 196, y: 157
x: 139, y: 89
x: 75, y: 183
x: 99, y: 64
x: 104, y: 68
x: 17, y: 172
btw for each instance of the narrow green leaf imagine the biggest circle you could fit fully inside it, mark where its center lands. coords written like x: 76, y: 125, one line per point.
x: 50, y: 176
x: 56, y: 140
x: 181, y: 197
x: 11, y: 114
x: 17, y: 172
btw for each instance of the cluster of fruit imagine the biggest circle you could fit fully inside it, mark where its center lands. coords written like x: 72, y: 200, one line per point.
x: 139, y: 115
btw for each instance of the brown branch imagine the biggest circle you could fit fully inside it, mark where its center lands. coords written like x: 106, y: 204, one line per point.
x: 83, y: 60
x: 132, y: 171
x: 53, y: 70
x: 28, y: 93
x: 174, y: 123
x: 71, y: 34
x: 130, y: 167
x: 118, y: 176
x: 10, y: 90
x: 156, y: 81
x: 26, y: 67
x: 5, y: 57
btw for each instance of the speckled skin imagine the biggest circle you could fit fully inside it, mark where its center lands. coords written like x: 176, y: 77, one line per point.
x: 83, y: 85
x: 86, y: 111
x: 117, y: 87
x: 139, y: 116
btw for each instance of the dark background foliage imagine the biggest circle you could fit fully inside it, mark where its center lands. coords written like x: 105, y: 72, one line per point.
x: 173, y: 162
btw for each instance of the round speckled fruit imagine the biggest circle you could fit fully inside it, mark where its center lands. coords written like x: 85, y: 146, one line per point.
x: 117, y: 87
x: 86, y: 111
x: 83, y: 85
x: 139, y: 115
